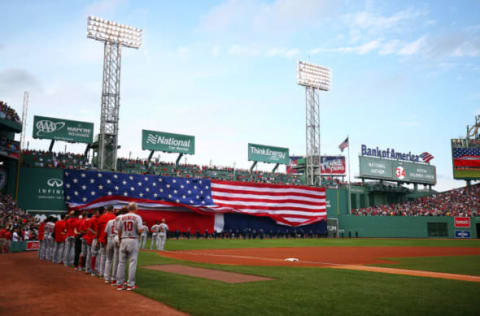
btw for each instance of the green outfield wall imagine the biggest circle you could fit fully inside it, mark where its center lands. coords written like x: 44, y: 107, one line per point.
x: 405, y: 226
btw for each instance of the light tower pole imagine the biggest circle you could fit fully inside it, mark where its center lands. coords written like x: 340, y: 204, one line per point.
x: 314, y: 78
x: 114, y: 36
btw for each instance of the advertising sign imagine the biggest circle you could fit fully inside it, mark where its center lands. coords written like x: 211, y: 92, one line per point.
x: 395, y: 170
x: 32, y: 245
x: 463, y: 222
x: 268, y: 154
x: 466, y: 158
x: 41, y: 189
x: 60, y: 129
x: 462, y: 234
x: 168, y: 142
x: 334, y: 165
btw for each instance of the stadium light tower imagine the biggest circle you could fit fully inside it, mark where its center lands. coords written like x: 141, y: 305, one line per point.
x: 114, y: 36
x: 314, y: 78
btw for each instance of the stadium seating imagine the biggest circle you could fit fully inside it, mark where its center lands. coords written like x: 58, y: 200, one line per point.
x: 459, y: 202
x: 44, y: 159
x: 6, y: 112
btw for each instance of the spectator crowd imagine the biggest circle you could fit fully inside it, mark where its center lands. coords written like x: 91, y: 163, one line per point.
x: 6, y: 112
x: 15, y: 223
x: 459, y: 202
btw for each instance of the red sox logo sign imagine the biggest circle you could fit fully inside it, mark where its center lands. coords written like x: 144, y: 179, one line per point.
x: 400, y: 173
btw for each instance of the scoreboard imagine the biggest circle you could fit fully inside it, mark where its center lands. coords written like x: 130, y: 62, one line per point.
x: 397, y: 170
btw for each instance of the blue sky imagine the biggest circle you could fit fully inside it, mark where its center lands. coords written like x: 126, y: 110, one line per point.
x: 405, y: 74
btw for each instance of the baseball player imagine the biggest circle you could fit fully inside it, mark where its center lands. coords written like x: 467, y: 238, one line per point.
x: 116, y: 246
x: 60, y: 236
x: 82, y: 227
x: 129, y: 231
x: 143, y: 238
x: 110, y: 232
x: 49, y: 228
x: 155, y: 229
x: 95, y: 247
x: 69, y: 251
x: 41, y: 238
x: 162, y: 235
x: 89, y: 237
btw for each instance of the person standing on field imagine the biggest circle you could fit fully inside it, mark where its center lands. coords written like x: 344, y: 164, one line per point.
x: 110, y: 233
x: 155, y: 229
x: 162, y: 235
x: 143, y: 238
x: 129, y: 231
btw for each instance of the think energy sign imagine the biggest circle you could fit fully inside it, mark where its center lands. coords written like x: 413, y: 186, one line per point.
x: 268, y: 154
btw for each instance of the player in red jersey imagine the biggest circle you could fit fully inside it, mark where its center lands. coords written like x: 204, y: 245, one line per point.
x: 102, y: 238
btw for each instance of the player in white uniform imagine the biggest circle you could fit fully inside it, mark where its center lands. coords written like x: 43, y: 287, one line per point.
x: 111, y: 232
x: 155, y: 230
x: 162, y: 235
x: 144, y: 236
x: 49, y: 228
x: 129, y: 231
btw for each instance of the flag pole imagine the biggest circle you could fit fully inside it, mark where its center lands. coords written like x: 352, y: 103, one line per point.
x: 349, y: 180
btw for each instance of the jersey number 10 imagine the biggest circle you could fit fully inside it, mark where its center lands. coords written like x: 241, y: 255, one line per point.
x: 128, y: 226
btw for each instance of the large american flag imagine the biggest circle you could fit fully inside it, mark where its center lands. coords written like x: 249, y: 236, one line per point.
x: 286, y: 204
x: 466, y: 157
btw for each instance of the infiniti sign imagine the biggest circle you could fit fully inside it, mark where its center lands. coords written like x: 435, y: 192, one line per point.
x: 55, y: 182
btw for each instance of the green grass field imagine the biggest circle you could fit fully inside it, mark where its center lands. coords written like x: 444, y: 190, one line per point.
x: 317, y: 291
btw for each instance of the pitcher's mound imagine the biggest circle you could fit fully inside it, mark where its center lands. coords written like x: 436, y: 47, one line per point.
x: 223, y: 276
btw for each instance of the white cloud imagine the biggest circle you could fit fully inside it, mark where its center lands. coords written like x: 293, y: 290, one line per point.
x: 467, y: 49
x: 261, y: 16
x: 389, y: 47
x: 256, y: 51
x: 282, y: 52
x: 392, y: 47
x: 360, y: 49
x: 413, y: 47
x: 368, y: 20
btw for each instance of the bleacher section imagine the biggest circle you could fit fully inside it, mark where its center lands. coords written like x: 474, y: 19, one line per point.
x: 459, y: 202
x: 42, y: 159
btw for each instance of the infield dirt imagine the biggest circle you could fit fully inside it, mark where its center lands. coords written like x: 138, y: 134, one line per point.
x: 34, y: 287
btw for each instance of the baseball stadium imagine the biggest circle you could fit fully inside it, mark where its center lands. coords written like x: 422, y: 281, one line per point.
x: 89, y: 230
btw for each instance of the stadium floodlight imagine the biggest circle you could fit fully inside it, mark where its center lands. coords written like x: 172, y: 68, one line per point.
x: 313, y: 78
x: 108, y: 31
x: 114, y: 36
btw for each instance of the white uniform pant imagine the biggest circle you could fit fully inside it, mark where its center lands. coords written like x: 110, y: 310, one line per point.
x: 42, y: 251
x: 128, y: 251
x: 100, y: 264
x: 69, y: 252
x: 116, y: 259
x: 143, y: 240
x: 154, y: 242
x: 58, y: 252
x: 161, y: 241
x: 88, y: 259
x: 50, y: 249
x: 109, y: 253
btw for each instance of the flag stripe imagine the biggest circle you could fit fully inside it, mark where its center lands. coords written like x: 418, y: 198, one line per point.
x: 266, y: 191
x: 286, y: 204
x: 264, y: 198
